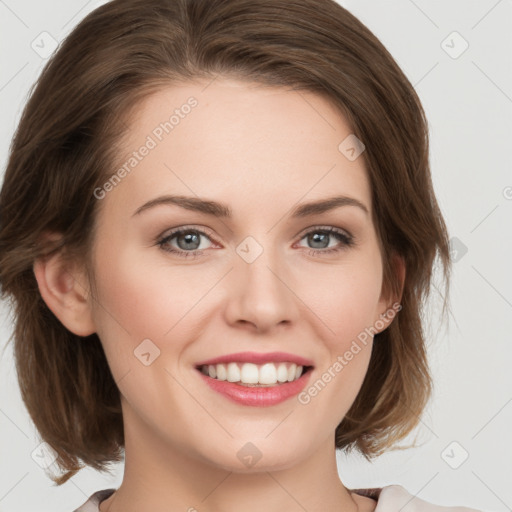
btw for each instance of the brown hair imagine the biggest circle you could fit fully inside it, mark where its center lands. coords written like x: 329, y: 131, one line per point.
x: 66, y: 143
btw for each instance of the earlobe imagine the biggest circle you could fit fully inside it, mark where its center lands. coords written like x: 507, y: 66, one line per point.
x: 65, y: 293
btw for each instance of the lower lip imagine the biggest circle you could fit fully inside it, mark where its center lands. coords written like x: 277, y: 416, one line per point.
x: 257, y: 396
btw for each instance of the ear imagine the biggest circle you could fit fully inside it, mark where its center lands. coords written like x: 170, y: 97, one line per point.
x: 65, y: 290
x: 389, y: 303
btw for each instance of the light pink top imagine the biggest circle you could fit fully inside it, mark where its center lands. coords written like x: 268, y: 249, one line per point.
x: 391, y: 498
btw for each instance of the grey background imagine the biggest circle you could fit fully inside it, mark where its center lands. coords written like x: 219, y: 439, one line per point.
x: 468, y: 100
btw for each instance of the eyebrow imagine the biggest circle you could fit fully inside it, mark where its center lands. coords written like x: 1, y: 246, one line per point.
x: 221, y: 210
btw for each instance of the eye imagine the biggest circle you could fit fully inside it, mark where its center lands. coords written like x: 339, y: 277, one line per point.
x: 188, y: 241
x: 320, y: 237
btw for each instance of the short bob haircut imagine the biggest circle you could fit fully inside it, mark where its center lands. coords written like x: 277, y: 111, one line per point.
x: 67, y: 144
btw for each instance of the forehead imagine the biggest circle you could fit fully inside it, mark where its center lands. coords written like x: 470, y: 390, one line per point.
x: 237, y: 141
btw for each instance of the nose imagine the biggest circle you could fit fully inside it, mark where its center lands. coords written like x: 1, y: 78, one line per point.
x: 260, y: 293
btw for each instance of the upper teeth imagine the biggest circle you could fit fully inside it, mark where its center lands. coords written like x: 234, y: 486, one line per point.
x: 249, y: 373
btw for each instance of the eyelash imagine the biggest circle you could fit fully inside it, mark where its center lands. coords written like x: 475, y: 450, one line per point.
x: 345, y: 239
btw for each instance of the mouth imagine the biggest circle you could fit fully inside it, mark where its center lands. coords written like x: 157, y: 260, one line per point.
x: 245, y: 374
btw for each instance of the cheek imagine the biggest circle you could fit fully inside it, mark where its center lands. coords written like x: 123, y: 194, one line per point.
x: 346, y: 299
x: 143, y: 297
x: 135, y: 304
x: 347, y: 306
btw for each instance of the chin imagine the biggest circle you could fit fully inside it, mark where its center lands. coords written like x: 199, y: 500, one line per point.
x: 259, y: 455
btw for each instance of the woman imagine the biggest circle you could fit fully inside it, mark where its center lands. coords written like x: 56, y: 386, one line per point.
x: 218, y: 229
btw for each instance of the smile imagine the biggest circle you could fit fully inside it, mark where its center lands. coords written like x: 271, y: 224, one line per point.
x: 250, y: 374
x: 256, y: 379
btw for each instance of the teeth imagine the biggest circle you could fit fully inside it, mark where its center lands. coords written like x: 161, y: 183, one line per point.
x: 268, y: 374
x: 249, y: 374
x: 222, y: 373
x: 282, y: 373
x: 233, y: 372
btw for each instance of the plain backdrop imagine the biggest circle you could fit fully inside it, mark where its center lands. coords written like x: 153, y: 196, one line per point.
x: 457, y: 54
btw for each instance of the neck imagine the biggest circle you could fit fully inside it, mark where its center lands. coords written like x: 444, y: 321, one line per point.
x: 159, y: 477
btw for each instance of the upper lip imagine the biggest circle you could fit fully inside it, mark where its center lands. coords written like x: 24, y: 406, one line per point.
x: 258, y: 358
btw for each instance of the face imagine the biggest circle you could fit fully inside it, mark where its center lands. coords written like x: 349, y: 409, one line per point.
x: 250, y: 271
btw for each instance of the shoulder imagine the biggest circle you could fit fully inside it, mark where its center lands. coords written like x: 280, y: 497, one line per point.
x: 394, y: 498
x: 93, y: 503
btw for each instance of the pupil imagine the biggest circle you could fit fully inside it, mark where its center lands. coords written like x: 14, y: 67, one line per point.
x: 317, y: 236
x: 190, y: 237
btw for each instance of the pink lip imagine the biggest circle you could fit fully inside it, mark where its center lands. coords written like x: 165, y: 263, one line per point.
x: 258, y: 358
x: 257, y: 396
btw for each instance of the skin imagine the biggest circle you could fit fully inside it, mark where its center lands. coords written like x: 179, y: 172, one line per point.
x: 261, y: 151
